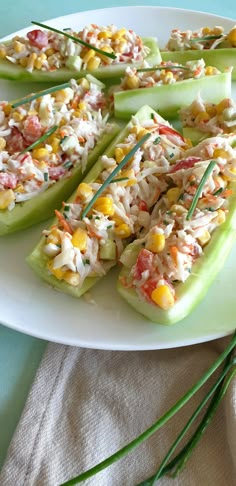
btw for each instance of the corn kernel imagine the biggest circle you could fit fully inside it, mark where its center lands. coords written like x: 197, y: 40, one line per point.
x: 20, y: 188
x: 84, y: 83
x: 50, y: 51
x: 169, y: 76
x: 206, y: 30
x: 105, y: 59
x: 173, y: 194
x: 84, y: 191
x: 163, y: 297
x: 3, y: 52
x: 62, y: 95
x: 94, y: 63
x: 120, y: 33
x: 39, y: 61
x: 31, y: 60
x: 204, y: 238
x: 131, y: 178
x: 132, y: 82
x: 72, y: 278
x: 211, y: 110
x: 79, y: 239
x: 82, y: 105
x: 104, y: 205
x: 209, y: 70
x: 23, y: 61
x: 119, y: 154
x: 55, y: 144
x: 17, y: 116
x: 117, y: 220
x: 122, y: 231
x: 225, y: 103
x: 220, y: 218
x: 120, y: 46
x: 18, y: 46
x: 178, y: 209
x: 57, y: 272
x: 40, y: 153
x: 89, y: 55
x: 6, y: 197
x: 105, y: 34
x: 202, y: 116
x: 156, y: 243
x: 221, y: 153
x: 2, y: 143
x: 54, y: 237
x: 7, y: 109
x: 232, y: 37
x: 141, y: 133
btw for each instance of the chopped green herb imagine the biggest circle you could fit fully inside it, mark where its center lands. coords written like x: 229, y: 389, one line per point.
x: 97, y: 217
x: 63, y: 139
x: 68, y: 164
x: 58, y: 245
x: 45, y: 176
x: 204, y: 178
x: 75, y: 39
x: 152, y: 116
x: 66, y: 207
x: 171, y: 155
x: 219, y: 191
x: 181, y: 197
x: 40, y: 140
x: 157, y: 141
x: 211, y: 209
x: 110, y: 226
x: 206, y: 38
x: 86, y: 262
x: 166, y: 222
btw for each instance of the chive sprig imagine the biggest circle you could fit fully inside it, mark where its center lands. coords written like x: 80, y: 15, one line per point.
x: 114, y: 173
x: 75, y: 39
x: 39, y: 94
x: 202, y: 182
x: 167, y: 67
x: 40, y: 140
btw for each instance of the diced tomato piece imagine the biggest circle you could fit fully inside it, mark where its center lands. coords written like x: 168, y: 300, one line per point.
x: 56, y: 172
x: 142, y: 205
x: 38, y: 38
x: 8, y: 181
x: 32, y: 129
x: 185, y: 163
x: 165, y: 130
x: 15, y: 141
x: 144, y: 262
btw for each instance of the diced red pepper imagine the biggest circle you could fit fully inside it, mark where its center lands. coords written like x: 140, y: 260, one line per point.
x: 142, y: 205
x: 8, y: 181
x: 185, y: 164
x: 165, y: 130
x: 144, y: 262
x: 38, y: 38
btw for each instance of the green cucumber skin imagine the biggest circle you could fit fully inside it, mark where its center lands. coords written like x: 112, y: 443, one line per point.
x: 194, y: 134
x: 168, y: 99
x: 220, y: 58
x: 194, y: 289
x: 41, y: 207
x: 17, y: 73
x: 37, y: 259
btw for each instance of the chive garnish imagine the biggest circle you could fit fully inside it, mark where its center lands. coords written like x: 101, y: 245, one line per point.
x: 68, y: 164
x: 159, y: 423
x: 75, y: 39
x: 34, y: 96
x: 119, y: 179
x: 114, y: 172
x: 206, y: 38
x: 40, y: 140
x: 204, y: 178
x: 66, y: 207
x: 45, y: 176
x: 155, y: 68
x: 157, y: 141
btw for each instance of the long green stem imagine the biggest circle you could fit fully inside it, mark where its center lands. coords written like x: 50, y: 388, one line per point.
x: 194, y: 439
x: 40, y: 140
x: 189, y: 423
x: 157, y: 425
x: 34, y: 96
x: 208, y: 419
x: 204, y: 178
x: 168, y: 67
x: 75, y: 39
x: 114, y: 173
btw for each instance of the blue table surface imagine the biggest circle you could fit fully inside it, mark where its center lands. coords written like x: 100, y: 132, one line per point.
x: 20, y: 355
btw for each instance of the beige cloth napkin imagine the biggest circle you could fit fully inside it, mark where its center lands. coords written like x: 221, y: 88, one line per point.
x: 85, y: 404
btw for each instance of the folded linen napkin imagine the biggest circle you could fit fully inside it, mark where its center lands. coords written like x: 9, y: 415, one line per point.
x: 85, y: 404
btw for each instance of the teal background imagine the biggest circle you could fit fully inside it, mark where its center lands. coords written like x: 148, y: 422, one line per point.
x: 20, y: 354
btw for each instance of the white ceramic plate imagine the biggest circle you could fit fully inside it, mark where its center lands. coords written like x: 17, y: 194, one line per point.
x: 30, y: 306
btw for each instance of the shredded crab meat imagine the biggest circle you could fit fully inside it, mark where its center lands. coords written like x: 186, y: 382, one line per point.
x: 166, y: 253
x: 44, y: 50
x: 77, y: 114
x: 209, y: 118
x: 124, y: 208
x: 203, y: 38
